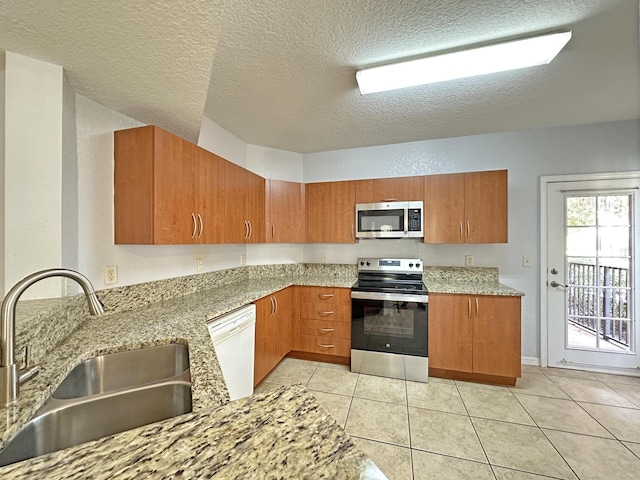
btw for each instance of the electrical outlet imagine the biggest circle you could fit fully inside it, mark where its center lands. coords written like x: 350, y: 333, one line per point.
x: 110, y: 274
x: 526, y: 261
x: 243, y: 259
x: 199, y: 265
x: 468, y: 260
x: 323, y: 258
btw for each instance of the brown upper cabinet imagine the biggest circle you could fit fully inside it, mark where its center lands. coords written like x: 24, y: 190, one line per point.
x: 400, y: 189
x: 285, y: 212
x: 466, y: 207
x: 244, y: 193
x: 330, y: 208
x: 167, y: 190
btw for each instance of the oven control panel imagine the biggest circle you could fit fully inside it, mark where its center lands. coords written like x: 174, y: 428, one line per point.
x: 390, y: 265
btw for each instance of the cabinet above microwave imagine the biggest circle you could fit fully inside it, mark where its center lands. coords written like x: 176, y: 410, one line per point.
x: 390, y: 220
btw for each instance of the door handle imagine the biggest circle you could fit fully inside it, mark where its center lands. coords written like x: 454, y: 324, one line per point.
x: 555, y: 284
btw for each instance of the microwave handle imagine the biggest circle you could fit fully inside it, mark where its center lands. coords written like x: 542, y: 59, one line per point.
x: 406, y: 221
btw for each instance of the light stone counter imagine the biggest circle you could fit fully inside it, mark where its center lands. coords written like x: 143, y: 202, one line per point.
x: 466, y: 281
x: 282, y: 434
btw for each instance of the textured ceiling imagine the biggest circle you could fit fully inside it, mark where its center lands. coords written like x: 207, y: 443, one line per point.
x: 281, y: 73
x: 284, y: 71
x: 148, y: 59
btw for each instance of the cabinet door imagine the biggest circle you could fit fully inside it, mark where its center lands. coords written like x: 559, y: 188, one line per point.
x: 244, y: 205
x: 285, y: 212
x: 450, y: 332
x: 486, y: 206
x: 264, y: 347
x: 283, y: 324
x: 210, y: 205
x: 330, y: 210
x: 496, y: 336
x: 399, y: 189
x: 444, y: 208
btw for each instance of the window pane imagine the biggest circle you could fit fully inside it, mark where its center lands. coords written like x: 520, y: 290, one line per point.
x: 613, y: 210
x: 581, y: 241
x: 581, y: 211
x: 614, y: 241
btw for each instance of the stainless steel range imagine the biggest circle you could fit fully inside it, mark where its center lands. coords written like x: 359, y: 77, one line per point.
x: 389, y: 319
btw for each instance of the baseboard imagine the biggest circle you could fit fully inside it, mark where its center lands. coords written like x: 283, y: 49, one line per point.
x: 532, y: 361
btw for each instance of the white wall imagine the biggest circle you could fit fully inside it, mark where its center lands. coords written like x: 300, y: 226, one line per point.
x: 2, y: 95
x: 33, y: 171
x: 608, y: 147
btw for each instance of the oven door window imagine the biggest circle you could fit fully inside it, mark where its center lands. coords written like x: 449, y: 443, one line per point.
x: 389, y: 326
x: 381, y: 220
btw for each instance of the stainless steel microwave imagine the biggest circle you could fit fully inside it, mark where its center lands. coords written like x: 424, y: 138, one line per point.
x: 390, y: 220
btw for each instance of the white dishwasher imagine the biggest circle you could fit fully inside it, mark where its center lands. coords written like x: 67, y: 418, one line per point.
x: 234, y: 336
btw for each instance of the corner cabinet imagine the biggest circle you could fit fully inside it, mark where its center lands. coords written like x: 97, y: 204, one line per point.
x: 166, y: 190
x: 466, y: 207
x: 285, y: 212
x: 475, y: 337
x: 273, y: 332
x: 244, y: 212
x: 330, y: 212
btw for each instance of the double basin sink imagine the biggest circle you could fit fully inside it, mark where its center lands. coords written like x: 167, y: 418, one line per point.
x: 105, y: 395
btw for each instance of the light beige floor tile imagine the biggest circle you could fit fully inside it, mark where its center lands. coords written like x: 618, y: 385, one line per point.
x: 336, y: 366
x: 394, y: 461
x: 444, y: 433
x: 630, y: 392
x: 441, y: 380
x: 265, y: 387
x: 520, y: 447
x: 634, y: 447
x: 623, y: 423
x: 611, y: 379
x: 570, y: 373
x: 333, y: 380
x: 494, y: 404
x: 336, y: 405
x: 535, y: 384
x: 484, y: 386
x: 532, y: 369
x: 439, y: 467
x: 592, y: 391
x: 384, y: 422
x: 382, y: 389
x: 291, y: 372
x: 594, y: 458
x: 508, y: 474
x: 301, y: 361
x: 558, y: 414
x: 435, y: 396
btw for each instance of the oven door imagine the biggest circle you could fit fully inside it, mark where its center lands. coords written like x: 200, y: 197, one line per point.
x: 390, y: 323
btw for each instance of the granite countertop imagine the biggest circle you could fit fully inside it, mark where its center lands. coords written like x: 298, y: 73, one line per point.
x: 467, y: 281
x: 297, y: 435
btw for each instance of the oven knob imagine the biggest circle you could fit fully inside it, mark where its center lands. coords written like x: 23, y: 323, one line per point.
x: 411, y: 265
x: 368, y: 264
x: 417, y: 265
x: 362, y: 264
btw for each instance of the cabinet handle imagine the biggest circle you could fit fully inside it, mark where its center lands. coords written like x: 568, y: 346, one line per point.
x: 273, y: 231
x: 275, y: 299
x: 246, y: 229
x: 250, y: 228
x: 461, y: 232
x: 326, y: 295
x: 477, y: 308
x: 326, y: 329
x: 201, y: 225
x: 326, y: 313
x: 273, y: 306
x: 325, y: 346
x: 193, y: 217
x: 468, y: 229
x: 469, y: 314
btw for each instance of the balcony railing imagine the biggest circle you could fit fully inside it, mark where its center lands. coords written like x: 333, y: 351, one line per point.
x: 599, y: 301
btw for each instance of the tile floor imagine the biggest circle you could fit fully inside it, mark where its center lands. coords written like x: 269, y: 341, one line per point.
x: 554, y: 423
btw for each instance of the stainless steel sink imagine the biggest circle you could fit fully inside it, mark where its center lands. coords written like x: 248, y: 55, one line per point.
x: 119, y: 371
x: 107, y: 395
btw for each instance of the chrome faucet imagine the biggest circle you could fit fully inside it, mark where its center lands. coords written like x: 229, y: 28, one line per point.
x: 11, y: 377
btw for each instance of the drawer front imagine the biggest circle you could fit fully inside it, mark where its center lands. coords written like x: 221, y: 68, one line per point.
x: 325, y: 329
x: 328, y: 346
x: 341, y: 296
x: 326, y: 311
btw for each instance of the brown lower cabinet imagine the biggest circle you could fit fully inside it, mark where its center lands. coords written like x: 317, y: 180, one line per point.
x: 273, y: 332
x: 475, y: 337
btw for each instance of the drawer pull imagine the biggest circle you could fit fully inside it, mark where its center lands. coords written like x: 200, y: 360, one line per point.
x: 327, y: 313
x: 326, y: 295
x: 325, y: 346
x: 326, y: 329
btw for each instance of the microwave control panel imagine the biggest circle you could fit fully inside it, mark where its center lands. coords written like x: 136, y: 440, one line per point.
x: 415, y: 220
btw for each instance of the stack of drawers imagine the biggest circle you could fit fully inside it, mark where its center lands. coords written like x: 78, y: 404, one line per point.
x: 325, y: 320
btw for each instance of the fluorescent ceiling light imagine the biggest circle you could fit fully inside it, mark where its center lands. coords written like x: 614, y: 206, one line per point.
x: 493, y: 58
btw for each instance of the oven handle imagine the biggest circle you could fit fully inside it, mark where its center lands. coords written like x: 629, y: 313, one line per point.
x: 398, y: 297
